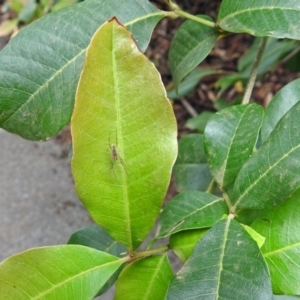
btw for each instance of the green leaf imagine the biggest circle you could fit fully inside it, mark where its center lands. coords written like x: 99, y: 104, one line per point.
x: 225, y: 264
x: 191, y: 170
x: 40, y: 67
x: 275, y: 49
x: 282, y: 102
x: 58, y: 272
x: 189, y: 83
x: 199, y: 122
x: 275, y: 18
x: 98, y: 238
x: 229, y: 138
x: 255, y: 235
x: 146, y: 279
x: 191, y: 44
x: 190, y: 210
x: 281, y: 249
x: 28, y: 11
x: 184, y: 242
x: 124, y: 136
x: 271, y: 174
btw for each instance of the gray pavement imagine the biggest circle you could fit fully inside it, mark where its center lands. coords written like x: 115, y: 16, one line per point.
x: 38, y: 204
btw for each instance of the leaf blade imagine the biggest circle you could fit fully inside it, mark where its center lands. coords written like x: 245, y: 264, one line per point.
x: 125, y: 182
x: 229, y: 140
x: 272, y: 18
x: 281, y: 248
x: 268, y: 177
x: 38, y: 83
x: 24, y: 276
x: 221, y: 261
x: 190, y: 210
x: 145, y: 279
x: 191, y: 44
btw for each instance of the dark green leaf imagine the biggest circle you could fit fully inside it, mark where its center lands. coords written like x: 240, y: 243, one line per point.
x: 225, y: 264
x: 146, y: 279
x: 98, y: 238
x: 275, y: 18
x: 230, y: 137
x: 191, y: 170
x: 282, y: 102
x: 271, y: 174
x: 192, y: 43
x: 190, y: 210
x: 40, y: 67
x: 199, y: 122
x: 281, y: 249
x: 189, y: 83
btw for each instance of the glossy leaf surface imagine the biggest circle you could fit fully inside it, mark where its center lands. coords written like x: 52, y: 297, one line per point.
x: 190, y: 210
x: 225, y: 264
x: 191, y: 170
x: 58, y: 272
x: 40, y: 67
x: 230, y: 138
x: 270, y: 175
x: 191, y: 44
x: 282, y: 102
x: 145, y: 279
x: 275, y: 18
x: 124, y: 136
x: 281, y: 249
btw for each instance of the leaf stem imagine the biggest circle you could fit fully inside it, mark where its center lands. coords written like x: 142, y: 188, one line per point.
x: 151, y: 252
x: 184, y: 14
x: 253, y: 74
x: 228, y: 202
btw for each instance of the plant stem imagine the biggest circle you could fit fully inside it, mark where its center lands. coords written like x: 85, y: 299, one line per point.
x: 253, y: 75
x: 228, y: 202
x: 147, y: 253
x: 184, y: 14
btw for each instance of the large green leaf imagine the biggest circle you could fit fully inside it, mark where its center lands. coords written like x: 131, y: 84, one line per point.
x: 281, y: 249
x: 146, y: 279
x: 58, y: 272
x: 230, y: 140
x: 282, y: 102
x: 275, y: 18
x: 40, y: 67
x: 190, y: 210
x: 225, y: 264
x: 272, y: 173
x: 191, y: 170
x: 124, y: 136
x: 191, y: 44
